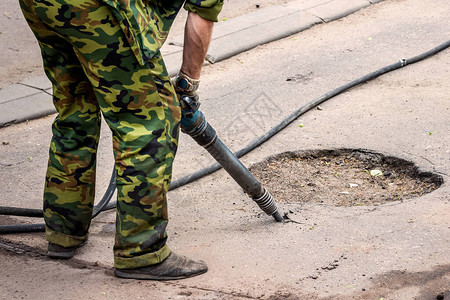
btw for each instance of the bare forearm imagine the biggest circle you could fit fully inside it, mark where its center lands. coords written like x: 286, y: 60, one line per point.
x: 196, y: 42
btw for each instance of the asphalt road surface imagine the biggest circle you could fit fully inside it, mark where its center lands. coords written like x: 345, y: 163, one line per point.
x: 394, y: 251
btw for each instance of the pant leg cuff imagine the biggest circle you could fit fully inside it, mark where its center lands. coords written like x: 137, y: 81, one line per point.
x: 142, y: 260
x: 62, y: 239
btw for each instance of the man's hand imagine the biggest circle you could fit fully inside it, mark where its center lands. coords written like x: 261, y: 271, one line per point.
x: 186, y: 87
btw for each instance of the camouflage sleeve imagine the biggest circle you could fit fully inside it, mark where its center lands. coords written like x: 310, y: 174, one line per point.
x: 207, y: 9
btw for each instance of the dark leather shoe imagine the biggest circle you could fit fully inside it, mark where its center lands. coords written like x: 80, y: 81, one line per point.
x: 173, y: 267
x: 57, y: 251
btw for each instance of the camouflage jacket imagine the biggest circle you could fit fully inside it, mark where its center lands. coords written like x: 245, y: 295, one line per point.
x: 146, y: 23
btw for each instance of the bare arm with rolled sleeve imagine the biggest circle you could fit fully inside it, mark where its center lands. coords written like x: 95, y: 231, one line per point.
x: 197, y: 36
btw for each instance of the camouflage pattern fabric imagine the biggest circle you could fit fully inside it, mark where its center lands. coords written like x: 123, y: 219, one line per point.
x: 146, y: 23
x: 95, y: 71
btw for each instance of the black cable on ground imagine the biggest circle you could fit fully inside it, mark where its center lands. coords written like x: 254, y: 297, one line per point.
x: 22, y: 228
x: 101, y: 206
x: 27, y: 212
x: 23, y: 212
x: 262, y: 139
x: 104, y: 204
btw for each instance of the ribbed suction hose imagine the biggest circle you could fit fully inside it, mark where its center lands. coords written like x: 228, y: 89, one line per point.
x: 202, y: 132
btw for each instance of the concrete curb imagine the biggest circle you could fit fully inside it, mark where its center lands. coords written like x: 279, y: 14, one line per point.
x: 32, y: 99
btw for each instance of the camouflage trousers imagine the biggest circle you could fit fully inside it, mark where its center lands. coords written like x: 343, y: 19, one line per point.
x: 94, y: 72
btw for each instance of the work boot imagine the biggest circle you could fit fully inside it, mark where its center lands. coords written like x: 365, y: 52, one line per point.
x: 57, y: 251
x: 173, y: 267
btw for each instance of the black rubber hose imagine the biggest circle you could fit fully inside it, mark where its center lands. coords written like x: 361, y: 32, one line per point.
x: 23, y: 212
x: 101, y: 206
x: 262, y: 139
x: 22, y: 228
x: 27, y: 212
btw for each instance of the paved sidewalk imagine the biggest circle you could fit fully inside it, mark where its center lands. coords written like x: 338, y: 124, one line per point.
x: 31, y: 98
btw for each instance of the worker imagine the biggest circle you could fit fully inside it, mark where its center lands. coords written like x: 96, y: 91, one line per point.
x: 103, y: 59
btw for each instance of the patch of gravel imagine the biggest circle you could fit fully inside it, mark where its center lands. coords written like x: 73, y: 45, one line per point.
x: 343, y: 177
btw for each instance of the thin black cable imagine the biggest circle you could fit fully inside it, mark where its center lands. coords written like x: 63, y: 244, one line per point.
x: 104, y: 204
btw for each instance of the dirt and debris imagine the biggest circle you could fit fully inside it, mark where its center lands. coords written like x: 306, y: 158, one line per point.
x: 343, y: 178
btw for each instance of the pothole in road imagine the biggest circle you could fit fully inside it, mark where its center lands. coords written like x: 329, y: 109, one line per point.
x: 343, y: 177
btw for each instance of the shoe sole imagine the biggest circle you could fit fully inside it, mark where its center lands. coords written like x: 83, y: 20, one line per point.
x: 62, y: 255
x: 65, y: 254
x: 140, y: 276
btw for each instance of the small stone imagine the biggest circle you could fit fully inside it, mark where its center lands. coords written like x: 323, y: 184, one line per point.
x: 376, y: 172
